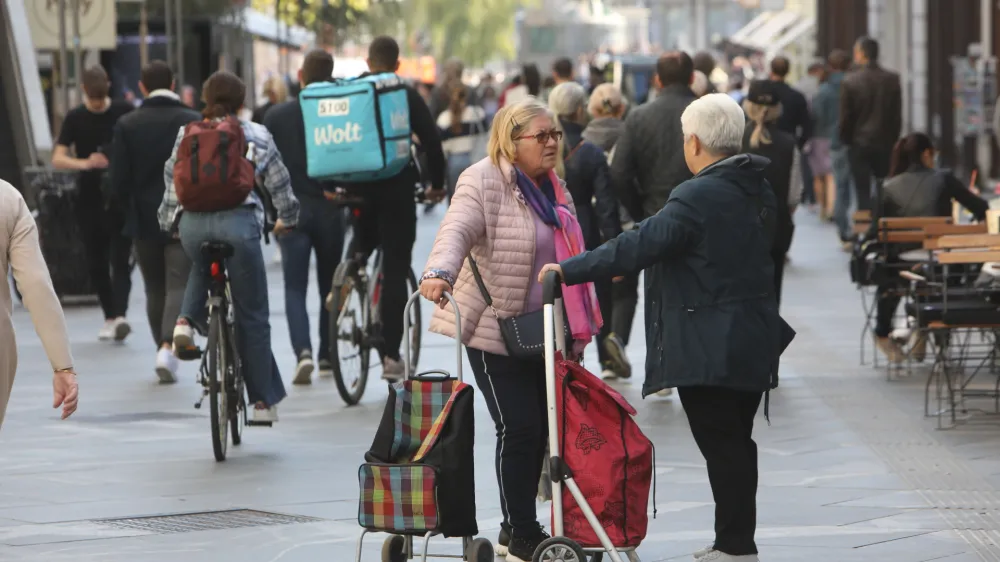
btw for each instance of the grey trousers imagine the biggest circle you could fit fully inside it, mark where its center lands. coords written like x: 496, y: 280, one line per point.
x: 165, y: 269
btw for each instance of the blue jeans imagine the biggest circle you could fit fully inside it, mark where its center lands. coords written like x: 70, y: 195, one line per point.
x: 808, y: 189
x: 457, y: 163
x: 248, y: 282
x: 320, y: 229
x: 842, y: 180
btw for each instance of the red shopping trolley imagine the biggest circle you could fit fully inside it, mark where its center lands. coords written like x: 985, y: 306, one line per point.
x: 598, y: 453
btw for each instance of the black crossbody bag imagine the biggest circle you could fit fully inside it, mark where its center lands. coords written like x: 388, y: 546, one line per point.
x: 523, y: 335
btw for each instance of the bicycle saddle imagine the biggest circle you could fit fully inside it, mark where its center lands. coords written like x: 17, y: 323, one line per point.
x: 217, y: 250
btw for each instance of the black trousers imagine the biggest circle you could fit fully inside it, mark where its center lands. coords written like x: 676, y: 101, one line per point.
x: 721, y: 421
x: 887, y: 301
x: 108, y: 252
x: 868, y: 164
x: 165, y: 269
x: 514, y: 390
x: 625, y: 294
x: 389, y: 220
x: 779, y: 274
x: 605, y: 300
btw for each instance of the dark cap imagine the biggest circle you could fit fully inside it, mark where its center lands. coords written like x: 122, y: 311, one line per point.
x: 763, y: 92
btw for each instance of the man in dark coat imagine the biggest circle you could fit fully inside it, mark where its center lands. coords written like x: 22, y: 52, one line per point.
x: 143, y: 141
x: 712, y: 323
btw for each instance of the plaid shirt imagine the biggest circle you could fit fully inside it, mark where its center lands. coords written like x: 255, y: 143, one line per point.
x: 270, y: 171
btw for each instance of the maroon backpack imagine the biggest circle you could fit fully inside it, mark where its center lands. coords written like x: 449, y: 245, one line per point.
x: 211, y: 172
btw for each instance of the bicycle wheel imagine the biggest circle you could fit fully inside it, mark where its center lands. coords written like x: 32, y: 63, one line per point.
x: 349, y: 352
x: 217, y: 365
x: 414, y: 326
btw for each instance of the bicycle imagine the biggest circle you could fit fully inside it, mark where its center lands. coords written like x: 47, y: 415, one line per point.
x: 221, y: 370
x: 355, y: 315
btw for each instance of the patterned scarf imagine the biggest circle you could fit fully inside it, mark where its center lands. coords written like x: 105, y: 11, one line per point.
x: 541, y: 199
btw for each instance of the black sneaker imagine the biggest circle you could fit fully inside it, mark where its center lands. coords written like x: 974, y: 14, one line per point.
x: 522, y: 549
x: 618, y: 361
x: 503, y: 541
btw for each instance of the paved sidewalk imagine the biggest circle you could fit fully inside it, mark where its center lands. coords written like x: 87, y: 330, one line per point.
x: 850, y: 469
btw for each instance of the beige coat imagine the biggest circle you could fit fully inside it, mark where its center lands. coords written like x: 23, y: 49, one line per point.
x: 19, y: 250
x: 489, y: 218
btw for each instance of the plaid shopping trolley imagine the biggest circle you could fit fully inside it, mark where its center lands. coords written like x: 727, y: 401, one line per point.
x: 418, y: 478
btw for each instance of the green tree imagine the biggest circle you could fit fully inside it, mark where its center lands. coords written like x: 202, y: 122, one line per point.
x: 474, y: 30
x: 328, y: 18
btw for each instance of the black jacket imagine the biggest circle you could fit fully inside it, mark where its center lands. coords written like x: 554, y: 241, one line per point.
x: 143, y: 141
x: 287, y: 127
x: 711, y: 314
x: 795, y: 118
x: 925, y: 192
x: 871, y: 108
x: 781, y: 156
x: 589, y: 182
x: 651, y: 150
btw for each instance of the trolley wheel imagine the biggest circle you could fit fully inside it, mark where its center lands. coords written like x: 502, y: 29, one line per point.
x: 394, y: 549
x: 479, y: 550
x: 559, y: 549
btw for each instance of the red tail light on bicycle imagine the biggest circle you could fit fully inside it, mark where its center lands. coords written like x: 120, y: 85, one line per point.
x: 216, y: 271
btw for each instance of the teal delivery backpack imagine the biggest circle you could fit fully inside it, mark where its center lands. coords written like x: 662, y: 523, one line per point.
x: 357, y: 130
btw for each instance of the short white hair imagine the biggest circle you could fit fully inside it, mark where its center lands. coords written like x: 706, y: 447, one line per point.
x: 717, y: 121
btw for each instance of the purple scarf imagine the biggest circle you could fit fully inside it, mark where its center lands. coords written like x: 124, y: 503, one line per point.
x: 542, y: 203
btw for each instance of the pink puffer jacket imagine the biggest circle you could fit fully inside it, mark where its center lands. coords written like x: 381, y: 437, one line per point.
x: 489, y: 219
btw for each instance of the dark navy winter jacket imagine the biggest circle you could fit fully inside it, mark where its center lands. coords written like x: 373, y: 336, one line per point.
x: 711, y: 314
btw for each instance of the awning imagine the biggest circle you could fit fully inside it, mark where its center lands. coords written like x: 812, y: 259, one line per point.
x: 764, y: 30
x: 266, y: 27
x: 794, y: 33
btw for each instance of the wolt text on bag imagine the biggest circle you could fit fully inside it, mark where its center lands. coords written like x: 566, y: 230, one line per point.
x: 211, y: 172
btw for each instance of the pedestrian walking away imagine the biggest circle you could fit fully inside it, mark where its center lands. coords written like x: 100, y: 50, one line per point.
x: 461, y: 128
x: 826, y: 111
x: 584, y: 167
x: 713, y: 329
x: 607, y: 108
x: 320, y: 229
x: 89, y: 129
x: 217, y: 219
x: 510, y: 214
x: 764, y: 138
x: 871, y: 118
x: 143, y: 141
x: 649, y: 161
x: 21, y: 253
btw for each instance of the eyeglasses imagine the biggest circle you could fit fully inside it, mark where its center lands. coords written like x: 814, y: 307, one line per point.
x: 542, y: 137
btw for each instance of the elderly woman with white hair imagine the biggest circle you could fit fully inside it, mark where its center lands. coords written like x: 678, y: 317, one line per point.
x: 509, y: 216
x: 712, y: 324
x: 585, y: 169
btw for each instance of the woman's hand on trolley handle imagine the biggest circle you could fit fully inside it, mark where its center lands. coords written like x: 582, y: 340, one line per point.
x: 434, y: 289
x: 547, y: 268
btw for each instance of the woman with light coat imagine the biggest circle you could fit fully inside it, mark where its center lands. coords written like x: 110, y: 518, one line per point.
x: 512, y: 214
x: 20, y: 252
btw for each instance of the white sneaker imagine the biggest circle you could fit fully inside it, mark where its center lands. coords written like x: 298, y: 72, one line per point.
x: 716, y: 556
x: 107, y: 332
x: 665, y: 392
x: 392, y: 369
x: 121, y: 329
x: 183, y: 337
x: 703, y: 552
x: 266, y: 415
x: 166, y: 366
x: 608, y: 375
x: 304, y: 369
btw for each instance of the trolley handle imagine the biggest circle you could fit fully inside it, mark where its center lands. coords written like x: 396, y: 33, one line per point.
x: 551, y: 288
x: 406, y: 335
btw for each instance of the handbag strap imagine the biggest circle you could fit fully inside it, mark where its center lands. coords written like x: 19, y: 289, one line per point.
x: 482, y: 285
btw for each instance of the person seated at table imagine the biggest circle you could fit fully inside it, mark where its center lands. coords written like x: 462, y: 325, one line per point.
x: 915, y: 188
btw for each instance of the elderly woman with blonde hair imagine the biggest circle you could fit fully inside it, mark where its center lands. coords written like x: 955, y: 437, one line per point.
x: 20, y: 252
x: 275, y: 91
x: 510, y: 215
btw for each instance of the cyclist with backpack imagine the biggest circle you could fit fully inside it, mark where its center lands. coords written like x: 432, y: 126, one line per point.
x: 210, y: 184
x: 372, y: 159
